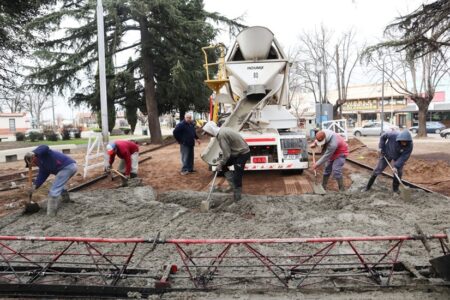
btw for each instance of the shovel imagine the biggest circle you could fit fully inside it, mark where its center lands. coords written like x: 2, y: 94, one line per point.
x: 31, y: 207
x: 204, y: 206
x: 317, y: 188
x: 405, y: 192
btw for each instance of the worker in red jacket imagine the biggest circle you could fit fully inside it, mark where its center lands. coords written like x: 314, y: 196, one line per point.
x: 128, y: 152
x: 336, y: 151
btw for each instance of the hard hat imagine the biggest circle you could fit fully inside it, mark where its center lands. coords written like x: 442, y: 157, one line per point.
x: 211, y: 128
x: 320, y: 138
x: 28, y: 158
x: 110, y: 148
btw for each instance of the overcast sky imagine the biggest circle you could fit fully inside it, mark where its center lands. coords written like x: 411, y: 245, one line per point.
x: 289, y: 18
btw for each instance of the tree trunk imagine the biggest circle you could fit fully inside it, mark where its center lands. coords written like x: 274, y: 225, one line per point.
x: 149, y: 85
x: 423, y: 111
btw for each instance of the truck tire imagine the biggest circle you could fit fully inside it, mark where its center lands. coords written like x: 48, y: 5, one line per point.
x: 357, y: 133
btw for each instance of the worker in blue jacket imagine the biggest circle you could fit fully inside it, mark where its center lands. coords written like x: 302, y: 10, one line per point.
x: 56, y: 163
x: 395, y: 146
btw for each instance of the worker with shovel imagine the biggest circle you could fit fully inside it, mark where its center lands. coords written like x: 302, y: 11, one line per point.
x: 396, y: 146
x: 336, y: 151
x: 235, y: 151
x: 56, y: 163
x: 128, y: 152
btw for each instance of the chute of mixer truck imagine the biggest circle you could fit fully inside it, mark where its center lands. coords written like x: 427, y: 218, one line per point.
x: 250, y: 87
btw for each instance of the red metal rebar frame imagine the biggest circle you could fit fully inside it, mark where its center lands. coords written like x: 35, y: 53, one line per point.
x: 202, y: 270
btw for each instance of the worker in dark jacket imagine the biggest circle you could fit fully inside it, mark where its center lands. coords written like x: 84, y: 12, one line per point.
x: 128, y: 152
x: 186, y: 136
x: 235, y: 152
x: 56, y: 163
x: 394, y: 146
x: 336, y: 151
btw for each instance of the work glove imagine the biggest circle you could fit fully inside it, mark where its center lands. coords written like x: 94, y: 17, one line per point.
x: 108, y: 169
x: 380, y: 153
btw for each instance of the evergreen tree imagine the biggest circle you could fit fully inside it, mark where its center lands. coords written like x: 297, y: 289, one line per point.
x: 169, y: 61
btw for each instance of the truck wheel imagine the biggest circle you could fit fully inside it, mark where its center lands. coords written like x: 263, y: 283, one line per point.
x: 358, y: 134
x: 447, y: 135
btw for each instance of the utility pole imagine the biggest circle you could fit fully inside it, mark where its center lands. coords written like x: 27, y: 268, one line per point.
x: 338, y: 81
x: 382, y: 100
x: 102, y: 72
x: 53, y: 112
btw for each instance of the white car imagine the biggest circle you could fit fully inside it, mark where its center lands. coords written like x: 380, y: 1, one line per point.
x: 374, y: 129
x: 445, y: 133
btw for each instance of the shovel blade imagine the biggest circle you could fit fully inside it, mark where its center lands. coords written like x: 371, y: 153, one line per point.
x: 31, y: 208
x: 405, y: 193
x: 204, y: 206
x: 318, y: 189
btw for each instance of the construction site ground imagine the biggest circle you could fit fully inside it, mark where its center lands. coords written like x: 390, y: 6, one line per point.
x: 275, y: 204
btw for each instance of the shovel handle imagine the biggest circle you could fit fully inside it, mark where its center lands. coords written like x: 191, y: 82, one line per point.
x: 30, y: 177
x: 314, y: 162
x: 392, y: 169
x: 118, y: 173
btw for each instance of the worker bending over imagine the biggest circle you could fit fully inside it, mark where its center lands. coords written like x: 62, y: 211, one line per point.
x: 396, y: 146
x: 235, y: 151
x: 336, y: 151
x: 56, y: 163
x: 128, y: 152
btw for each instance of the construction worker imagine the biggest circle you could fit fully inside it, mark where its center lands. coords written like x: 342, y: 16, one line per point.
x: 56, y: 163
x: 186, y: 136
x: 336, y: 151
x: 235, y: 151
x: 128, y: 152
x: 394, y: 146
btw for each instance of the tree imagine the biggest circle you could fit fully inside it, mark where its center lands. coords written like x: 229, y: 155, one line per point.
x: 314, y: 65
x: 14, y: 14
x: 346, y: 57
x: 414, y: 77
x: 171, y: 34
x: 320, y: 57
x: 425, y: 30
x: 35, y: 104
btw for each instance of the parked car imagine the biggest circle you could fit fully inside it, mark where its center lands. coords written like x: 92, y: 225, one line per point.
x: 373, y: 128
x: 432, y: 127
x: 445, y: 133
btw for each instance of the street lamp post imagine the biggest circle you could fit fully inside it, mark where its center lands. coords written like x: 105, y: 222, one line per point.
x: 382, y: 100
x: 102, y: 72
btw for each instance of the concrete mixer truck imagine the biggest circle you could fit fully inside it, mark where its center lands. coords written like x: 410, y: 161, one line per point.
x: 250, y: 87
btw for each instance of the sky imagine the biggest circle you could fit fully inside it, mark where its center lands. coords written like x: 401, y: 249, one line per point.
x: 287, y: 19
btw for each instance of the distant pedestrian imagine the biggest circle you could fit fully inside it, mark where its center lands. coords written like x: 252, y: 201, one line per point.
x: 128, y: 152
x: 235, y: 152
x: 336, y: 151
x: 56, y: 163
x: 186, y: 136
x: 396, y: 146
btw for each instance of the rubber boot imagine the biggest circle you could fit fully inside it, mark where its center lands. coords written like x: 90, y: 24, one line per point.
x: 65, y: 198
x: 325, y: 181
x: 52, y: 206
x: 237, y: 194
x: 133, y: 175
x: 229, y: 177
x: 395, y: 185
x: 340, y: 182
x: 370, y: 183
